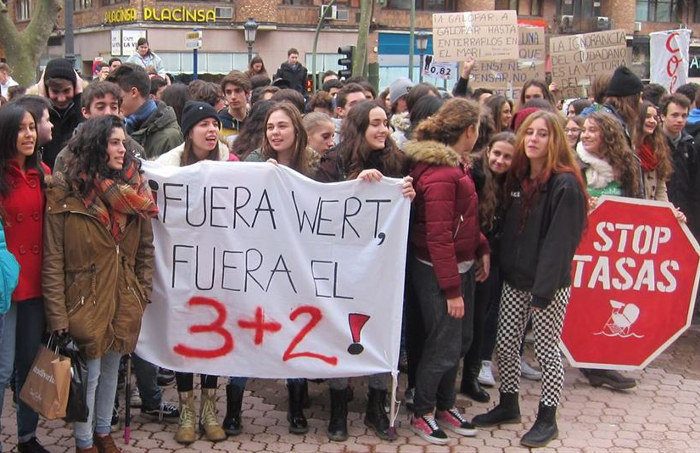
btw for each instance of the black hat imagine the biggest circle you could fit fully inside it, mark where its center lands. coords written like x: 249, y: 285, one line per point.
x: 194, y: 112
x: 60, y: 68
x: 624, y: 83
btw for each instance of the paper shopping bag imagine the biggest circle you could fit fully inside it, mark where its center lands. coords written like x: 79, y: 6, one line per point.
x: 47, y: 384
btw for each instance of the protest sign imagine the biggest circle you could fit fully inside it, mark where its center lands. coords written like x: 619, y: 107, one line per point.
x: 507, y: 77
x: 483, y: 35
x: 633, y: 285
x: 669, y: 53
x: 440, y: 70
x: 262, y: 272
x: 578, y: 59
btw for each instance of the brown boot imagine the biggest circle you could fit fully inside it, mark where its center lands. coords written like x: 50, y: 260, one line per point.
x: 207, y: 417
x: 92, y: 449
x: 185, y: 431
x: 105, y: 444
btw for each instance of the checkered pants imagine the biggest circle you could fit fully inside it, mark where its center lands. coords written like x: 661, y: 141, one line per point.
x: 547, y: 323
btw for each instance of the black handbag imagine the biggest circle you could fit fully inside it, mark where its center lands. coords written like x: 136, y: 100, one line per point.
x: 77, y: 410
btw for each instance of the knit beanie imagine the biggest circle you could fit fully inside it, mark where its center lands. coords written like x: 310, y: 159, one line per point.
x: 60, y: 68
x: 624, y: 83
x: 194, y: 112
x: 398, y: 88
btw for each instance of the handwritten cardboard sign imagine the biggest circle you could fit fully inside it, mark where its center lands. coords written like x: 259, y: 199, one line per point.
x: 578, y: 59
x: 507, y: 77
x: 484, y: 35
x: 262, y: 272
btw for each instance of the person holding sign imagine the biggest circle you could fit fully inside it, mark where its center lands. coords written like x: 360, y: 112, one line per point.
x: 98, y: 262
x: 200, y: 126
x: 449, y: 251
x: 543, y: 224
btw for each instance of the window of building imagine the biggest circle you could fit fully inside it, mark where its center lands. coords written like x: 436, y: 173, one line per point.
x: 113, y: 2
x: 424, y: 5
x: 298, y: 2
x: 527, y: 8
x: 23, y: 10
x: 82, y: 5
x: 657, y: 10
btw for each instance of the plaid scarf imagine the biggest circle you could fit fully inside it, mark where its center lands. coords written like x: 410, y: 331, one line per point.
x: 112, y: 202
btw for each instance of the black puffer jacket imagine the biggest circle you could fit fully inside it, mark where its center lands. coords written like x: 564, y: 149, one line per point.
x: 295, y: 75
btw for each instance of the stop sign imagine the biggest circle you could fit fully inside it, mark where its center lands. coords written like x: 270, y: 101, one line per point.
x: 633, y: 284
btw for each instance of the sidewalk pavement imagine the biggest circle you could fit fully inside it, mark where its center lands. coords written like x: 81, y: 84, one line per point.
x: 661, y: 415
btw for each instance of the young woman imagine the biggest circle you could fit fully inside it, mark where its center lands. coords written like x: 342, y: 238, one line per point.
x: 573, y: 128
x: 98, y: 262
x: 22, y: 207
x: 256, y: 67
x: 320, y: 130
x: 501, y: 110
x: 652, y: 150
x: 535, y: 89
x: 200, y: 127
x: 449, y: 251
x: 145, y: 58
x: 489, y: 171
x: 543, y: 223
x: 251, y: 135
x: 366, y: 152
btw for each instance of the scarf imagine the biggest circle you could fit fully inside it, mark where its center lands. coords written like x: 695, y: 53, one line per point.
x: 599, y: 173
x: 135, y: 120
x: 647, y: 156
x: 112, y: 202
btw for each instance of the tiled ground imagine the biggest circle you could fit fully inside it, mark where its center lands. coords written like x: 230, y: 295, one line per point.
x: 661, y: 415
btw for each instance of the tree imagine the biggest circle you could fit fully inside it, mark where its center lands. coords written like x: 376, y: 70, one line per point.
x: 359, y: 63
x: 23, y: 49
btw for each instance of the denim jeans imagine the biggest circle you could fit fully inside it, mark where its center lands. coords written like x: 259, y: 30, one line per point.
x: 447, y: 339
x: 102, y: 376
x: 147, y: 382
x: 18, y: 349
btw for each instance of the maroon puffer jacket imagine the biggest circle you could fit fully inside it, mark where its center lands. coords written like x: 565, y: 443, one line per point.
x: 445, y: 227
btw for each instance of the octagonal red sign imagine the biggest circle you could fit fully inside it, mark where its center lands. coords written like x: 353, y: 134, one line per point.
x: 634, y: 279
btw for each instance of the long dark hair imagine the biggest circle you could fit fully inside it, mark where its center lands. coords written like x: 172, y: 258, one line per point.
x: 11, y: 116
x: 495, y: 106
x: 356, y: 153
x: 87, y: 158
x: 657, y: 141
x: 251, y: 135
x: 302, y: 158
x: 491, y: 194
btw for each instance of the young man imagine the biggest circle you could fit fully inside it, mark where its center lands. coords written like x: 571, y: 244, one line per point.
x: 61, y: 84
x: 350, y: 95
x: 674, y: 116
x: 151, y: 123
x: 236, y: 87
x: 6, y: 80
x: 114, y: 63
x: 293, y: 72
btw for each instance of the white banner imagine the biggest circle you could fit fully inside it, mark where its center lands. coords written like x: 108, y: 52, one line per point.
x: 669, y: 55
x: 261, y: 272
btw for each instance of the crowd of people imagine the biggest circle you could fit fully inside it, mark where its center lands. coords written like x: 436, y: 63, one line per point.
x: 500, y: 192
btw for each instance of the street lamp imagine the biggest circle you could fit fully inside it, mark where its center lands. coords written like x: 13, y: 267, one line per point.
x: 250, y: 28
x: 422, y: 45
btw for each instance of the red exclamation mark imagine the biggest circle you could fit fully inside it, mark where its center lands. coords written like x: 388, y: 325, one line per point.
x: 357, y: 322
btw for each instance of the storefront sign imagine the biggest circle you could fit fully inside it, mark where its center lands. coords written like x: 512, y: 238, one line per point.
x: 179, y: 14
x: 129, y: 40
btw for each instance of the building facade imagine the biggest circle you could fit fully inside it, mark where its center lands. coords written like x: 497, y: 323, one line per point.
x: 107, y: 28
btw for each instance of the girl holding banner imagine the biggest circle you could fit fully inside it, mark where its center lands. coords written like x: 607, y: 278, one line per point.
x: 448, y: 252
x: 98, y: 262
x: 200, y: 127
x: 544, y: 220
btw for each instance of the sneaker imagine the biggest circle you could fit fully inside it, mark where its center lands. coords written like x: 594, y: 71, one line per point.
x: 135, y: 398
x: 166, y: 409
x: 165, y: 377
x: 428, y: 430
x: 409, y: 396
x: 453, y: 420
x: 529, y: 373
x: 486, y: 374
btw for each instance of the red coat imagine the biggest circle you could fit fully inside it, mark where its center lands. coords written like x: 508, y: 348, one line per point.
x: 23, y: 218
x: 445, y: 227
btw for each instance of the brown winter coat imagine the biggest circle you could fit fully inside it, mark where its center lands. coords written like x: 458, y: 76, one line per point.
x: 92, y: 286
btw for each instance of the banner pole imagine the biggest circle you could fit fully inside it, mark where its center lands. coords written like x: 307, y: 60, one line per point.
x: 394, y: 408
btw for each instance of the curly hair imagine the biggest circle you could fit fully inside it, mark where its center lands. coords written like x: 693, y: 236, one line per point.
x: 615, y: 151
x: 657, y: 141
x: 449, y: 123
x: 87, y: 158
x: 301, y: 158
x: 628, y: 107
x: 356, y: 153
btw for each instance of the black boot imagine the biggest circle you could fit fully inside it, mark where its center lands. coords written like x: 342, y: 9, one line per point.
x: 611, y: 378
x: 544, y: 429
x: 338, y: 424
x: 306, y: 401
x: 471, y: 387
x: 295, y: 416
x: 507, y: 411
x: 375, y: 415
x: 234, y: 401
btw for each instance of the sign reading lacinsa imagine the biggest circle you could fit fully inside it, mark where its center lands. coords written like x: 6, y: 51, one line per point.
x: 633, y: 285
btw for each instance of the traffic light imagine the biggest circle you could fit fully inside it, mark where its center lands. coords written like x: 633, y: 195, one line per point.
x: 309, y: 85
x: 348, y: 53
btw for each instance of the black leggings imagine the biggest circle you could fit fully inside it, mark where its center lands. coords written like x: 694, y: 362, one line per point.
x: 185, y: 381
